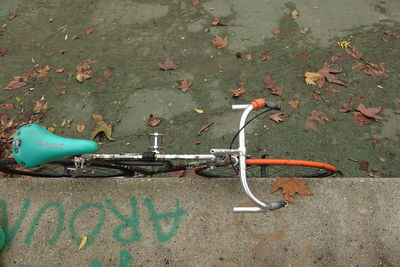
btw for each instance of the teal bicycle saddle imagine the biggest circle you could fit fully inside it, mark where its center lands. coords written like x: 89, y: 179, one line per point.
x: 33, y: 145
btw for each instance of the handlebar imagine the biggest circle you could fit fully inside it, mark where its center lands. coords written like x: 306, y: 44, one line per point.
x: 261, y: 206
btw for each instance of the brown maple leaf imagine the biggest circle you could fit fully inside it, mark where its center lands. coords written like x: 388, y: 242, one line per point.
x: 331, y: 90
x: 169, y: 64
x: 12, y: 16
x: 348, y: 106
x: 294, y: 103
x: 291, y: 186
x: 318, y: 97
x: 354, y: 53
x: 40, y: 106
x: 220, y: 42
x: 361, y: 119
x: 101, y: 127
x: 328, y: 73
x: 375, y: 69
x: 269, y: 83
x: 337, y: 57
x: 370, y: 112
x: 153, y: 120
x: 184, y: 85
x: 3, y: 52
x: 89, y: 30
x: 17, y: 83
x: 265, y: 57
x: 316, y: 116
x: 84, y: 70
x: 238, y: 92
x: 217, y: 22
x: 277, y: 117
x: 43, y: 72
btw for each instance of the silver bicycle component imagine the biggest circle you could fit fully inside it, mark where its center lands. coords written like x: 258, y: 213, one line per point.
x: 155, y: 141
x: 262, y: 206
x: 78, y: 164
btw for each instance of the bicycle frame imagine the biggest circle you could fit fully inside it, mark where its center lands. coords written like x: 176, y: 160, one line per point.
x: 213, y: 157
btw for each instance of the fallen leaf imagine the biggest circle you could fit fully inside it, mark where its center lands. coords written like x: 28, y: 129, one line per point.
x: 375, y: 168
x: 59, y: 70
x: 316, y: 116
x: 238, y: 92
x: 375, y: 69
x: 337, y: 57
x: 294, y: 104
x: 153, y: 120
x: 354, y: 53
x: 51, y: 129
x: 8, y: 106
x: 312, y: 77
x: 197, y: 142
x: 397, y: 111
x: 291, y: 186
x: 198, y: 110
x: 1, y: 32
x: 217, y: 22
x: 304, y: 30
x: 177, y: 174
x: 204, y: 128
x: 330, y: 90
x: 89, y: 30
x: 101, y: 127
x: 75, y: 37
x: 248, y: 57
x: 361, y: 119
x: 99, y: 80
x: 265, y: 57
x: 3, y: 52
x: 184, y: 85
x: 294, y: 14
x: 50, y: 20
x: 12, y: 16
x: 84, y: 70
x: 269, y: 83
x: 83, y: 242
x: 220, y: 42
x: 195, y: 2
x: 169, y: 64
x: 80, y: 128
x: 370, y: 112
x: 363, y: 165
x: 43, y: 72
x: 40, y: 106
x: 328, y: 73
x: 302, y: 54
x: 276, y: 31
x: 277, y: 117
x: 318, y: 97
x: 61, y: 87
x: 107, y: 72
x: 346, y: 107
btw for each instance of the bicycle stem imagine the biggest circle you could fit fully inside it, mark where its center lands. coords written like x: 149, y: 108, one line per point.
x: 261, y: 206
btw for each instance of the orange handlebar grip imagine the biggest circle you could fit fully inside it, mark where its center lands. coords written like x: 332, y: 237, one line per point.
x: 258, y: 103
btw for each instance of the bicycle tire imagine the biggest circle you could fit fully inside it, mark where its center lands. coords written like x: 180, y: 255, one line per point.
x: 265, y: 168
x: 58, y: 168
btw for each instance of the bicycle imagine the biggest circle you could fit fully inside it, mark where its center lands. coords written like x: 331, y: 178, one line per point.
x: 38, y: 152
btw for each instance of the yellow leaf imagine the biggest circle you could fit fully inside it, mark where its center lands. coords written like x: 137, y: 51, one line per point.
x: 198, y: 110
x: 42, y: 98
x: 311, y: 77
x: 83, y: 242
x: 59, y: 70
x: 66, y: 37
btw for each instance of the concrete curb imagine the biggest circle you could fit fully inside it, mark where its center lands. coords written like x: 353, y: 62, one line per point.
x: 189, y: 222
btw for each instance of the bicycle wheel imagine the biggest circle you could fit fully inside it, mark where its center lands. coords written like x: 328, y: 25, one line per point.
x: 59, y: 168
x: 271, y: 168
